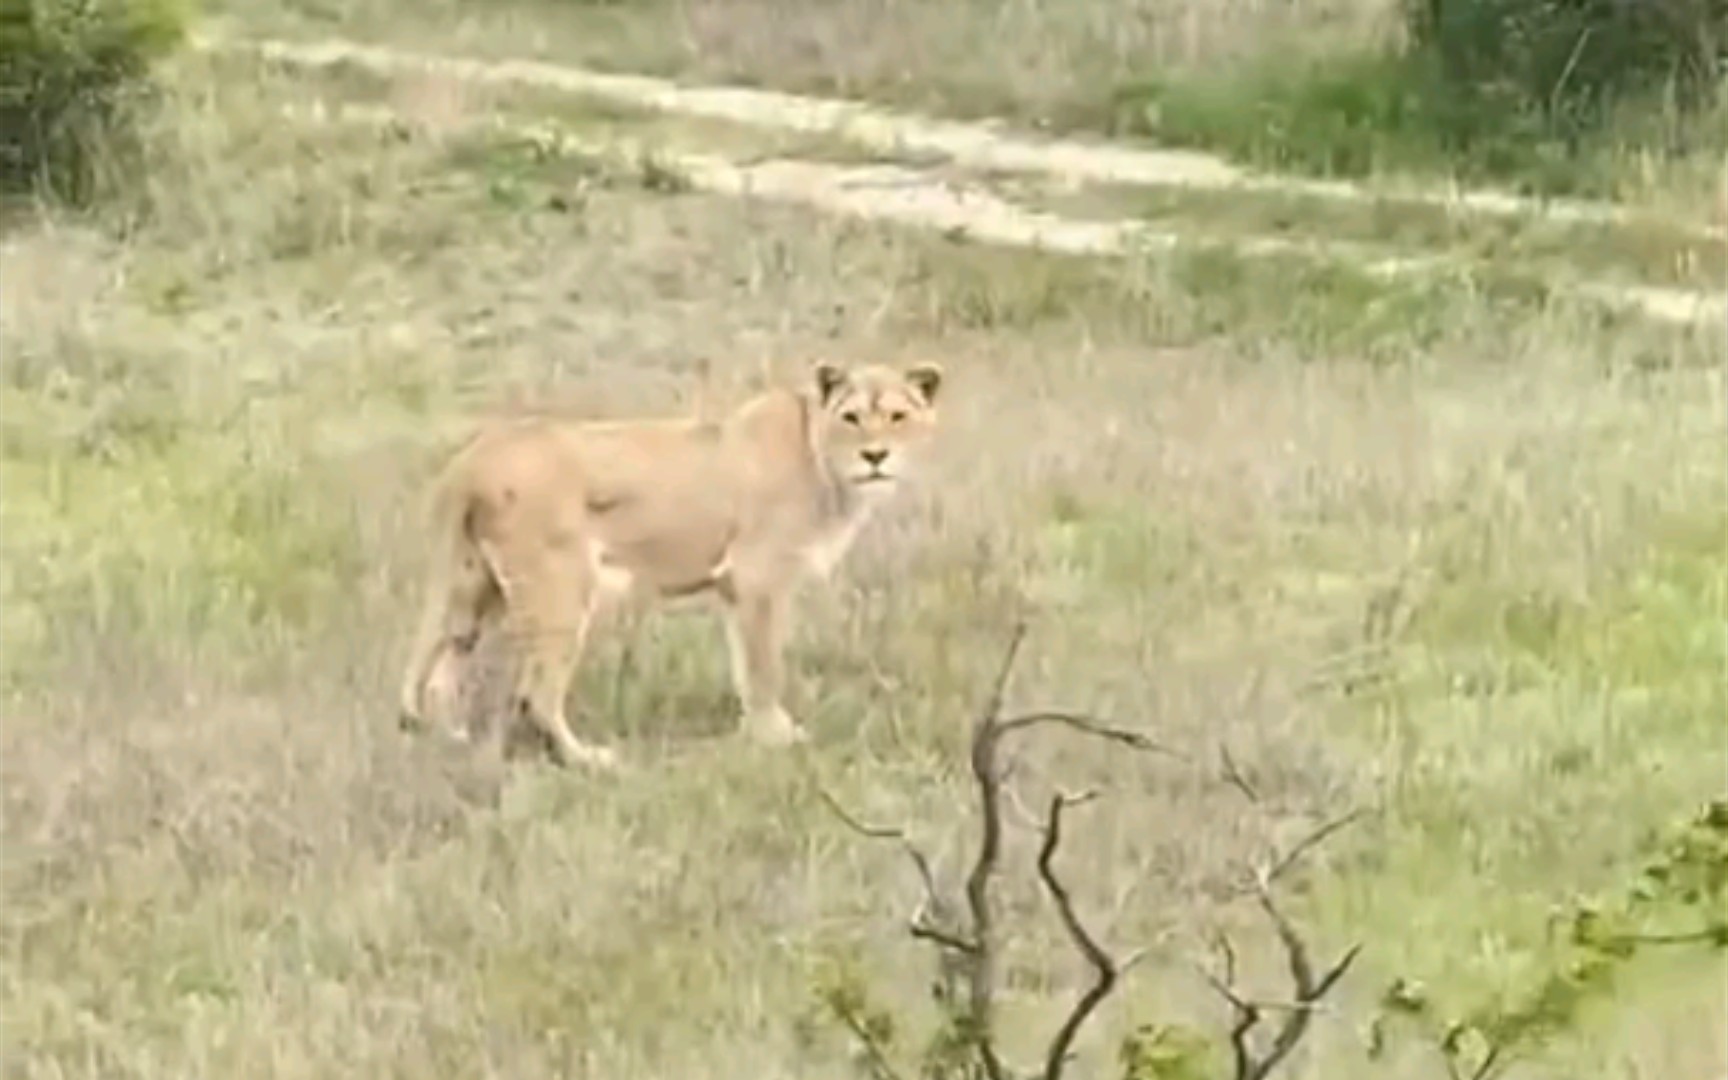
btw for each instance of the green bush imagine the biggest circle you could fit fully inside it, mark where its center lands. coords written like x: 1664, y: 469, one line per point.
x: 70, y: 72
x: 1344, y: 115
x: 1520, y: 89
x: 1564, y: 64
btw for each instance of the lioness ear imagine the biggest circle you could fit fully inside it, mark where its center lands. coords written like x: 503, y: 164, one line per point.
x: 829, y: 378
x: 926, y: 379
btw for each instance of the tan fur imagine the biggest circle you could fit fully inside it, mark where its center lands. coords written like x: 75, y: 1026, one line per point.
x: 544, y: 524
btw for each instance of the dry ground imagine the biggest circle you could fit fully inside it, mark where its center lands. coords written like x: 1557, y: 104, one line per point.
x: 1453, y: 557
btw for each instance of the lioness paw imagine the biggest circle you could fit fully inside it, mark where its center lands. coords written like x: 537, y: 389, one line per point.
x: 586, y: 756
x: 774, y: 728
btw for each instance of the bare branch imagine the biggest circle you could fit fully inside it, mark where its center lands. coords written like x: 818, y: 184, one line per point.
x: 1489, y: 1061
x: 988, y: 774
x: 981, y: 999
x: 1309, y: 843
x: 885, y: 832
x: 1105, y: 970
x: 880, y: 1063
x: 1493, y: 1056
x: 923, y: 929
x: 974, y: 944
x: 1247, y: 1015
x: 980, y: 968
x: 1233, y: 776
x: 1228, y: 952
x: 999, y: 687
x: 1266, y: 1006
x: 1309, y: 988
x: 1022, y: 814
x: 932, y: 906
x: 1088, y: 726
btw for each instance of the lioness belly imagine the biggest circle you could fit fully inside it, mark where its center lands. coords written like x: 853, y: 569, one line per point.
x: 664, y: 565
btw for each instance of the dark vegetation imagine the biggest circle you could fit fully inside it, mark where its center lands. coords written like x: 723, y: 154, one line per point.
x: 1521, y: 89
x: 72, y: 74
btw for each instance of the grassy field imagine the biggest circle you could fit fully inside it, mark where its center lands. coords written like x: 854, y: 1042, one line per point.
x: 1312, y: 86
x: 1454, y: 559
x: 1046, y: 59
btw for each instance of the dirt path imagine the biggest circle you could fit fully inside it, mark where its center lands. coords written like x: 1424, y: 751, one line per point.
x: 925, y: 198
x: 972, y: 145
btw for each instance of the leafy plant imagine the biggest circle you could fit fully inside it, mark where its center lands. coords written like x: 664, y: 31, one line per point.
x: 1519, y: 88
x: 1565, y: 62
x: 71, y: 73
x: 1679, y: 897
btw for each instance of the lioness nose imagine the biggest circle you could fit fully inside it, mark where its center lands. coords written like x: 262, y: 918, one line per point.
x: 873, y: 457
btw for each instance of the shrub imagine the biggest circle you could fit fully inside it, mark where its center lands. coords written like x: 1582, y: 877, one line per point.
x: 1346, y: 115
x: 70, y: 74
x: 1524, y: 89
x: 1565, y: 63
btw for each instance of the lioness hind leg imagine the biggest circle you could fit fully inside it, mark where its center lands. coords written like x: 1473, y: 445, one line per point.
x: 551, y: 623
x: 461, y: 597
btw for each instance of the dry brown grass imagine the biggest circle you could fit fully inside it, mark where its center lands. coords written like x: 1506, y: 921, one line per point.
x: 1046, y: 58
x: 220, y: 858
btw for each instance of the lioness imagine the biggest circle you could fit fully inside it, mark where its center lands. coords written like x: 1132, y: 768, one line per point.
x: 541, y: 524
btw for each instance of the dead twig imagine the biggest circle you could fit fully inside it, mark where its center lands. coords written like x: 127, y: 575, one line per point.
x: 1309, y: 987
x: 881, y: 1065
x: 925, y: 923
x: 975, y: 943
x: 1484, y: 1068
x: 1105, y: 969
x: 988, y: 775
x: 1233, y: 776
x: 1088, y: 726
x: 1309, y: 842
x: 981, y: 967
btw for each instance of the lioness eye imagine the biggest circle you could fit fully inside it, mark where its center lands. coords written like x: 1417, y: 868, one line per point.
x: 896, y: 417
x: 850, y: 416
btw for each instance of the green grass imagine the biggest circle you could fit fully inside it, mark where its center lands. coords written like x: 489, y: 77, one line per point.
x: 1377, y: 113
x: 1637, y: 252
x: 1603, y: 671
x: 1449, y: 556
x: 1348, y: 116
x: 1219, y: 76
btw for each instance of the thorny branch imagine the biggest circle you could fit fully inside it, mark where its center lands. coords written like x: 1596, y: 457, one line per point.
x: 977, y: 945
x: 1233, y: 776
x: 1309, y: 989
x: 1088, y: 726
x: 1307, y: 844
x: 981, y: 966
x: 926, y: 922
x: 1483, y: 1069
x: 1105, y: 968
x: 970, y: 949
x: 880, y: 1062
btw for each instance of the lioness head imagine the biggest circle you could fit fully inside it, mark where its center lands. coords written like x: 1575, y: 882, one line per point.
x: 875, y: 420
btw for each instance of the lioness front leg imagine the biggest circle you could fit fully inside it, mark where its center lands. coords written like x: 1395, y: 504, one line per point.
x: 755, y: 636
